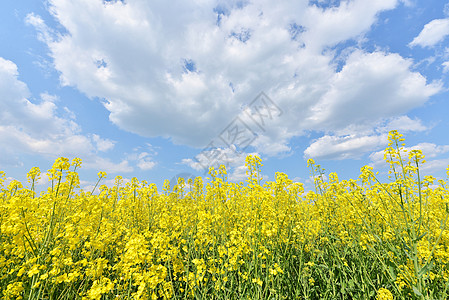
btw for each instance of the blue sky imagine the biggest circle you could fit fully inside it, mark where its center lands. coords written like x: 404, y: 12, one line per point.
x: 139, y: 89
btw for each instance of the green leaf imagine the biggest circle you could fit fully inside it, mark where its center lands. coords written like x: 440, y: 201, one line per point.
x: 392, y: 273
x: 425, y: 269
x: 393, y: 249
x: 420, y: 237
x: 406, y: 247
x: 416, y: 291
x: 408, y: 254
x: 351, y: 284
x: 377, y: 238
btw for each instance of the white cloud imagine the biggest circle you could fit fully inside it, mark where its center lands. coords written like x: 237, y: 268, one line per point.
x: 214, y: 158
x: 103, y: 144
x: 445, y: 66
x: 343, y: 147
x: 184, y: 72
x: 377, y: 159
x: 433, y: 166
x: 349, y: 20
x: 297, y: 179
x: 145, y: 161
x: 144, y: 164
x: 43, y: 180
x: 433, y: 32
x: 403, y: 124
x: 271, y: 146
x: 28, y: 127
x: 49, y: 98
x: 233, y: 160
x: 8, y: 180
x: 368, y: 88
x: 45, y: 34
x: 409, y: 3
x: 432, y: 152
x: 106, y: 165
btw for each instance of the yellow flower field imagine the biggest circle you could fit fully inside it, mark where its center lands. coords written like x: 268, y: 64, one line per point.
x: 350, y: 239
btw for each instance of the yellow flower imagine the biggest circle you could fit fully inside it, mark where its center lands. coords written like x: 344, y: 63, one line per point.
x: 384, y: 294
x: 101, y: 175
x: 13, y: 290
x: 257, y: 281
x: 34, y: 270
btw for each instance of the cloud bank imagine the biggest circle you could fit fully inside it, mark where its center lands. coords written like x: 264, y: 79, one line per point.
x: 185, y: 72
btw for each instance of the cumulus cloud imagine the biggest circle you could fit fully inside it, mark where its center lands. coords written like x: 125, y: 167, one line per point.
x: 105, y: 164
x: 377, y: 159
x: 343, y: 147
x: 35, y: 127
x: 355, y: 141
x: 445, y: 66
x: 371, y: 86
x: 403, y: 124
x: 143, y: 157
x: 144, y: 164
x: 229, y: 157
x: 328, y: 27
x: 436, y: 165
x: 185, y: 72
x: 103, y: 144
x: 145, y: 161
x: 433, y: 32
x: 215, y: 157
x: 432, y: 152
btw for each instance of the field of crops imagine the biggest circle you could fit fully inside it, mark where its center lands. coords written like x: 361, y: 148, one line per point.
x: 350, y: 239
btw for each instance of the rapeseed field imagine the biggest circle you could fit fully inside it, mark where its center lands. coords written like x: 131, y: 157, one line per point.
x: 348, y: 239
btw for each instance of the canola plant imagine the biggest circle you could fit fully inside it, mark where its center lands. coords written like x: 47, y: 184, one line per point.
x: 349, y: 239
